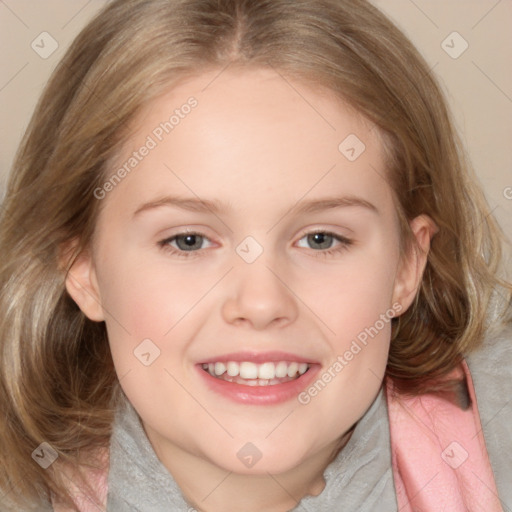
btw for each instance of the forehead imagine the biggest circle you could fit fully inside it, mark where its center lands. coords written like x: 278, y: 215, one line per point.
x: 248, y: 137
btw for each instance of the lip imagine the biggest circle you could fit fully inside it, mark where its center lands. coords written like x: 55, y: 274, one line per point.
x: 259, y: 358
x: 260, y: 395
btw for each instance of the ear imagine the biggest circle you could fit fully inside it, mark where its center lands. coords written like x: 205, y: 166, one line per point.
x: 82, y: 285
x: 412, y: 264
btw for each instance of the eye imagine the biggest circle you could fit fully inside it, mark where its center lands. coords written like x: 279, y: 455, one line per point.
x: 324, y: 242
x: 185, y: 242
x: 320, y: 240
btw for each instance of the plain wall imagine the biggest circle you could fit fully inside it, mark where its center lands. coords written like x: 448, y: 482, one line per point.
x: 478, y: 82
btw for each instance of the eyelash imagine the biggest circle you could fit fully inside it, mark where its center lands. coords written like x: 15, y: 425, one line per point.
x: 343, y: 244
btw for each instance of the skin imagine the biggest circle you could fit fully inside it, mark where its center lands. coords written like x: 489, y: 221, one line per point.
x: 293, y: 298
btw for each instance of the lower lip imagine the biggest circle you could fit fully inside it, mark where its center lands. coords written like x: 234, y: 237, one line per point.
x: 260, y: 395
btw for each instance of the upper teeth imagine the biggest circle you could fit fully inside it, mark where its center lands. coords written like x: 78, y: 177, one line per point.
x: 248, y: 370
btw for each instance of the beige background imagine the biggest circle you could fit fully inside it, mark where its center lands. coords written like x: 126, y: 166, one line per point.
x: 478, y: 83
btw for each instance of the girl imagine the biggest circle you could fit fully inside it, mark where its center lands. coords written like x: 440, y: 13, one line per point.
x: 245, y: 266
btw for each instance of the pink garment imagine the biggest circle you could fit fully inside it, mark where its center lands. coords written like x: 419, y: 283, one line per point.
x: 439, y: 457
x: 96, y: 480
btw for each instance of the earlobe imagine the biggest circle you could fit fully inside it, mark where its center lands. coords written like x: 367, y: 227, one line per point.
x: 412, y: 265
x: 82, y: 286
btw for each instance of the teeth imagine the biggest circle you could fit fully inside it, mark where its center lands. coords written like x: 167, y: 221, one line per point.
x: 233, y: 369
x: 220, y: 368
x: 293, y: 368
x: 248, y: 370
x: 255, y: 374
x: 266, y: 371
x: 281, y: 370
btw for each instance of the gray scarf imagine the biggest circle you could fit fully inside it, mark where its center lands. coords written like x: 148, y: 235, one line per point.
x: 360, y: 478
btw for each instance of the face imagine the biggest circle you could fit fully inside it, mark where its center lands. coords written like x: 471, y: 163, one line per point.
x: 256, y: 238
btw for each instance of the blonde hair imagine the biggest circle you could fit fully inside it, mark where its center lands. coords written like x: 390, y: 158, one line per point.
x: 57, y: 379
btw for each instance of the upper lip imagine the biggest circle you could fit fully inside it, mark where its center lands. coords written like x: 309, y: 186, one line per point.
x: 258, y: 357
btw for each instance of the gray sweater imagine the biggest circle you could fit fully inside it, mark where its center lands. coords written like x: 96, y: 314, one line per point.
x: 360, y: 479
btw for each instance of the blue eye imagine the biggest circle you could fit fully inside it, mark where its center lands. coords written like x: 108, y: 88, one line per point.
x: 324, y: 242
x: 184, y: 242
x: 320, y: 240
x: 189, y: 242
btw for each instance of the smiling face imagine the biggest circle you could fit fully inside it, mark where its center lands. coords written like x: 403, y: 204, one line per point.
x: 247, y: 238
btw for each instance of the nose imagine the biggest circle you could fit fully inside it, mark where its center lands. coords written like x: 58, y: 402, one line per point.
x: 259, y: 298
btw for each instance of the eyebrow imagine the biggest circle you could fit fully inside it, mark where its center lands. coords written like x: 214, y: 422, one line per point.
x: 214, y: 206
x: 190, y: 204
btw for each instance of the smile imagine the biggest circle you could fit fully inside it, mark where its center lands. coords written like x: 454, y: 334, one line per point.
x: 258, y: 378
x: 251, y: 374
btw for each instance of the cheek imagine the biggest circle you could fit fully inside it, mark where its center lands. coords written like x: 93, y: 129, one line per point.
x: 352, y: 296
x: 359, y: 329
x: 144, y: 307
x: 354, y: 305
x: 148, y: 300
x: 141, y: 304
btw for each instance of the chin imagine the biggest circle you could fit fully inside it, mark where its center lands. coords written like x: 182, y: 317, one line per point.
x: 251, y: 460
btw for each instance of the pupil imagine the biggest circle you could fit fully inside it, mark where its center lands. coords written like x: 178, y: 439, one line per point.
x: 187, y: 242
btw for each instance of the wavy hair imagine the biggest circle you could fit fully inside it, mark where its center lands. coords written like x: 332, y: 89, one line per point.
x: 57, y: 379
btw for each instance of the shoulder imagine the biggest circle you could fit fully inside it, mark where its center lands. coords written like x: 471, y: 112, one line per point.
x: 491, y: 371
x: 491, y: 366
